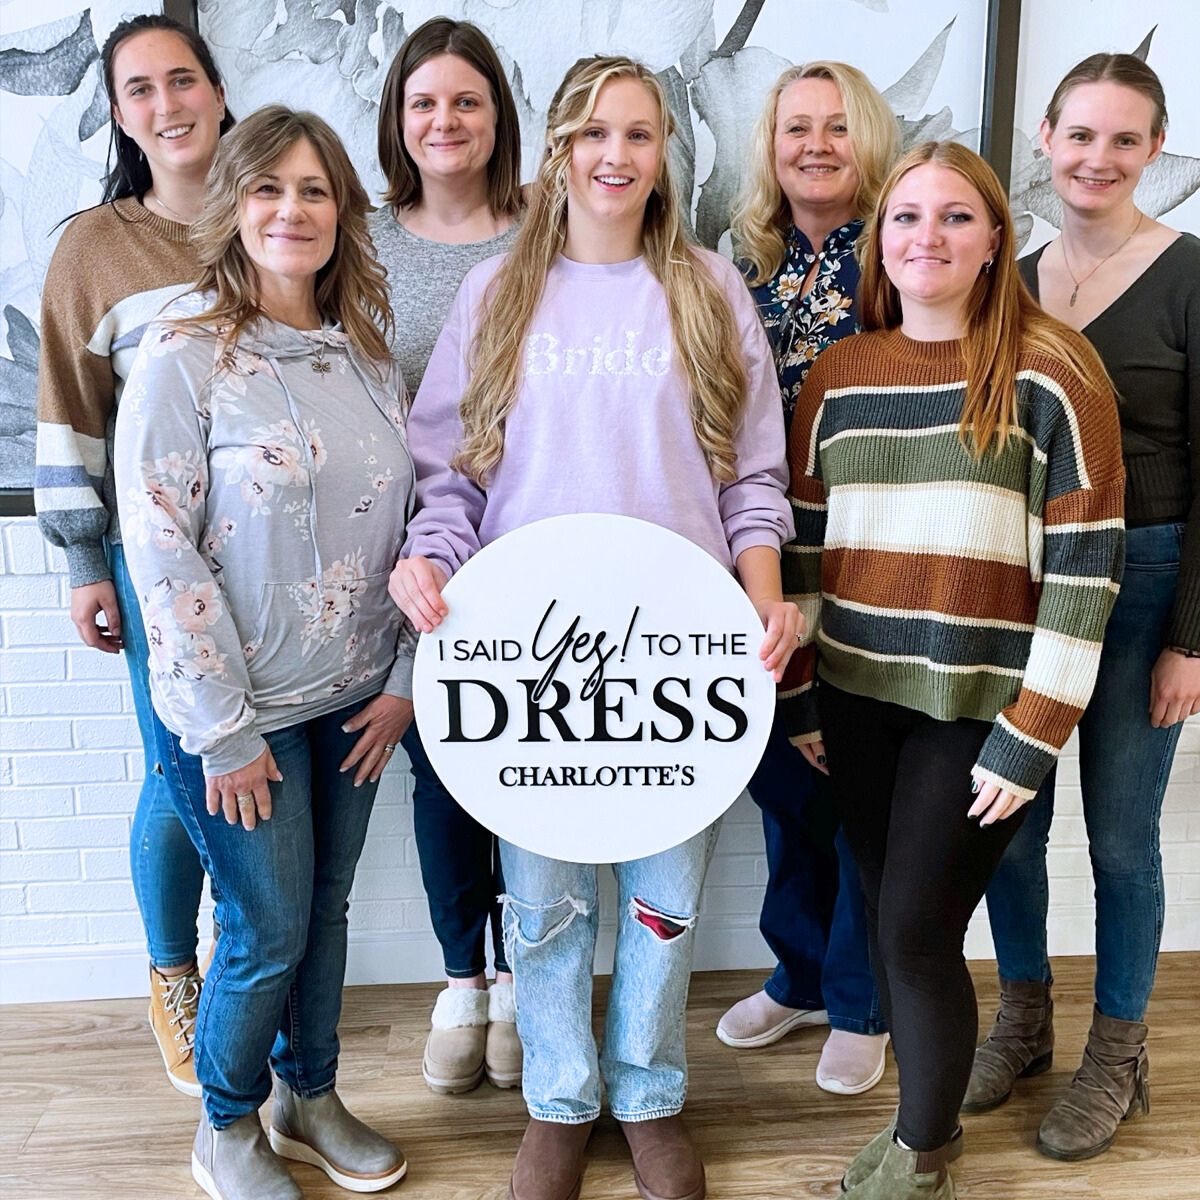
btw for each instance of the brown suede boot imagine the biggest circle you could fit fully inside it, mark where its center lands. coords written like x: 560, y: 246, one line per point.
x: 907, y: 1175
x: 666, y: 1165
x: 549, y: 1163
x: 1020, y: 1044
x: 1111, y: 1085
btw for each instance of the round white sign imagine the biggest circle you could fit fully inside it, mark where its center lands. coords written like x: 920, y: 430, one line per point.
x: 595, y: 693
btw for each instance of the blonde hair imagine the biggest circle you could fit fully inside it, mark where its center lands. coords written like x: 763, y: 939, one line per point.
x: 761, y: 214
x: 1002, y: 320
x: 350, y: 287
x: 702, y: 324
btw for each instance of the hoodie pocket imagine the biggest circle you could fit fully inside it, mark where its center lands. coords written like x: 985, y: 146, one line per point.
x: 312, y: 641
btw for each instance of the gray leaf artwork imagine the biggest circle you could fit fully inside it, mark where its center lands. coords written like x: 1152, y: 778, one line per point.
x: 715, y: 58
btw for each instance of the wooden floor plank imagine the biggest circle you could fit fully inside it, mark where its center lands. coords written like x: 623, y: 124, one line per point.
x: 85, y: 1111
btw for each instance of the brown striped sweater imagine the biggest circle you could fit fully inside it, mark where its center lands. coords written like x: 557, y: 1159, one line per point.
x: 113, y: 269
x: 957, y: 586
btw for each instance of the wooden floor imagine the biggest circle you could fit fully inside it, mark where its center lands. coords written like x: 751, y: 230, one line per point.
x: 86, y: 1113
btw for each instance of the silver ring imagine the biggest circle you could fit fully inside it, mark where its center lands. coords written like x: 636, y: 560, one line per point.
x: 390, y: 747
x: 799, y: 637
x: 246, y: 800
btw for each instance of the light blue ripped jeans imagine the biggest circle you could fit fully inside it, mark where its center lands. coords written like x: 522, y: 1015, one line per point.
x: 550, y: 922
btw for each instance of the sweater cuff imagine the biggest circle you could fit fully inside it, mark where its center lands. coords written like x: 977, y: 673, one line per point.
x: 1183, y: 627
x: 86, y: 564
x: 1014, y: 762
x: 399, y: 680
x: 234, y: 752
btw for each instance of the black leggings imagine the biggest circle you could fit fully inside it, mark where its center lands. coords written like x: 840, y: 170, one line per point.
x: 902, y: 782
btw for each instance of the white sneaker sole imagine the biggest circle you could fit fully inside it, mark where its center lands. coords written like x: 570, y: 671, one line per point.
x: 204, y: 1179
x: 802, y: 1018
x: 838, y: 1088
x: 287, y: 1147
x: 188, y: 1089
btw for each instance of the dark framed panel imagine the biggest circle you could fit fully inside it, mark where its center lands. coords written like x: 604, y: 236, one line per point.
x: 1000, y: 86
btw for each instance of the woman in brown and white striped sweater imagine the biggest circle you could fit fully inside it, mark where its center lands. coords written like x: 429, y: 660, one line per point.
x: 957, y: 486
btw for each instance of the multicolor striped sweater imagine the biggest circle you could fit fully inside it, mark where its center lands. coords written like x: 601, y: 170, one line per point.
x: 954, y: 585
x: 112, y: 271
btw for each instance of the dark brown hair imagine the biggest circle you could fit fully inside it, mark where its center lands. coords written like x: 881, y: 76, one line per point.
x: 441, y: 35
x: 1125, y: 69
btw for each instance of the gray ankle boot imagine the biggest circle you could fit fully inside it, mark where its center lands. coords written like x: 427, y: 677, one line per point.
x: 1111, y: 1085
x: 1020, y: 1044
x: 237, y: 1164
x: 320, y: 1131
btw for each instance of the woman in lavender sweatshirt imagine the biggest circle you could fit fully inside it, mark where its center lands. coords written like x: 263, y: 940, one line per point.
x: 677, y: 423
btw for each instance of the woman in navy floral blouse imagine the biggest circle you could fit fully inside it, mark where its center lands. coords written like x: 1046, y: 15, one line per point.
x: 823, y: 145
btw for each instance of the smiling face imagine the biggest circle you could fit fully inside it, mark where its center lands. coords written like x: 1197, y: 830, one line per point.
x: 814, y: 160
x: 163, y: 100
x: 936, y: 237
x: 615, y: 157
x: 449, y: 118
x: 288, y: 220
x: 1100, y: 146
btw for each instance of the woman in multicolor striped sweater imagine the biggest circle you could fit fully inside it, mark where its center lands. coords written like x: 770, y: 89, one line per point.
x: 958, y: 488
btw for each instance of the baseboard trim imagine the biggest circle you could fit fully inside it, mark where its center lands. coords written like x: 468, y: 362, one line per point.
x: 723, y: 943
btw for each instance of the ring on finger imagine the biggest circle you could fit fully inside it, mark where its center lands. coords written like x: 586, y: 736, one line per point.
x: 390, y: 746
x: 245, y: 799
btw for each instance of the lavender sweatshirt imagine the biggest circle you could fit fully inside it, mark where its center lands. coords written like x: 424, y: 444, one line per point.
x: 601, y: 422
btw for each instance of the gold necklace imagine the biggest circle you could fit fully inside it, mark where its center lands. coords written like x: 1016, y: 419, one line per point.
x: 1080, y: 282
x: 167, y: 208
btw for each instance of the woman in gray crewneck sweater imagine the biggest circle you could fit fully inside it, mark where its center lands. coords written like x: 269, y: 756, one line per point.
x: 449, y: 145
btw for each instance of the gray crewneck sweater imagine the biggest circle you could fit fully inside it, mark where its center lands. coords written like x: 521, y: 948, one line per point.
x: 423, y: 278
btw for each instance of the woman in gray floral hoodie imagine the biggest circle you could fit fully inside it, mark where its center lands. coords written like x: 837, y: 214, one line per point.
x: 264, y: 482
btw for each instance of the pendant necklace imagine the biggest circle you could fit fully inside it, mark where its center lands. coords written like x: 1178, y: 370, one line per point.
x: 1080, y: 282
x: 318, y: 363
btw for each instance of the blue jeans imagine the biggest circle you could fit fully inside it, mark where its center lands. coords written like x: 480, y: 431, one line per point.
x: 550, y: 922
x: 274, y: 991
x: 1124, y: 765
x: 165, y: 867
x: 460, y: 868
x: 812, y: 915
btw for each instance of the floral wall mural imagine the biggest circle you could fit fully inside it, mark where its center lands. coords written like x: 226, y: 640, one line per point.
x: 715, y: 57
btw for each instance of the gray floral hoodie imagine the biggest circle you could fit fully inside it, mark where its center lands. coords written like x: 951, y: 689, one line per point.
x: 263, y: 492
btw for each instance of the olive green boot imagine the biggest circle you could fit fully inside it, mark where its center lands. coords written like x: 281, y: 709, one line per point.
x: 867, y: 1160
x: 1111, y: 1085
x: 1020, y: 1044
x: 907, y: 1175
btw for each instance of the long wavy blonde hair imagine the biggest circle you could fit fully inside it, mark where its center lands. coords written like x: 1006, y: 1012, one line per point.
x: 702, y: 324
x: 1002, y: 320
x: 761, y: 213
x: 350, y: 287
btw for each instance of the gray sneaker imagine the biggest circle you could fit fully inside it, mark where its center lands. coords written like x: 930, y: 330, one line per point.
x: 237, y: 1164
x: 321, y: 1132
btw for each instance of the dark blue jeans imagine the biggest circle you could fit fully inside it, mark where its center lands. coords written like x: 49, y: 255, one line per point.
x: 165, y: 867
x: 460, y: 868
x: 1124, y: 764
x: 812, y: 914
x: 274, y: 991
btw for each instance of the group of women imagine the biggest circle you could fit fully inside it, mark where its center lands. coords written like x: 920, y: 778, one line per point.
x: 935, y: 598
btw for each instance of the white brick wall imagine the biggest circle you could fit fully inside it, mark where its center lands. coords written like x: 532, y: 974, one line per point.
x: 69, y: 771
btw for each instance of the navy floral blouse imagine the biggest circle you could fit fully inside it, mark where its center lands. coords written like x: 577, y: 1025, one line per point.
x: 800, y: 327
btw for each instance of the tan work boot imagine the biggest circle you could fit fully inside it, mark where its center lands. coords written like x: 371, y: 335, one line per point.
x: 549, y: 1163
x: 503, y: 1057
x: 1020, y: 1044
x: 454, y: 1050
x: 666, y: 1164
x: 1111, y: 1085
x: 173, y: 1004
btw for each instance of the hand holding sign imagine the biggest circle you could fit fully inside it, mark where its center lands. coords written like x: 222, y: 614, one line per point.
x: 416, y: 587
x: 575, y: 712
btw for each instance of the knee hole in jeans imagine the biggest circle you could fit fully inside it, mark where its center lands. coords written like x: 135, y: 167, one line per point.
x: 536, y: 924
x: 665, y: 926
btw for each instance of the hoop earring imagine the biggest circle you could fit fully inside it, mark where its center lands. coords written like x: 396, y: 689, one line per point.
x: 987, y: 266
